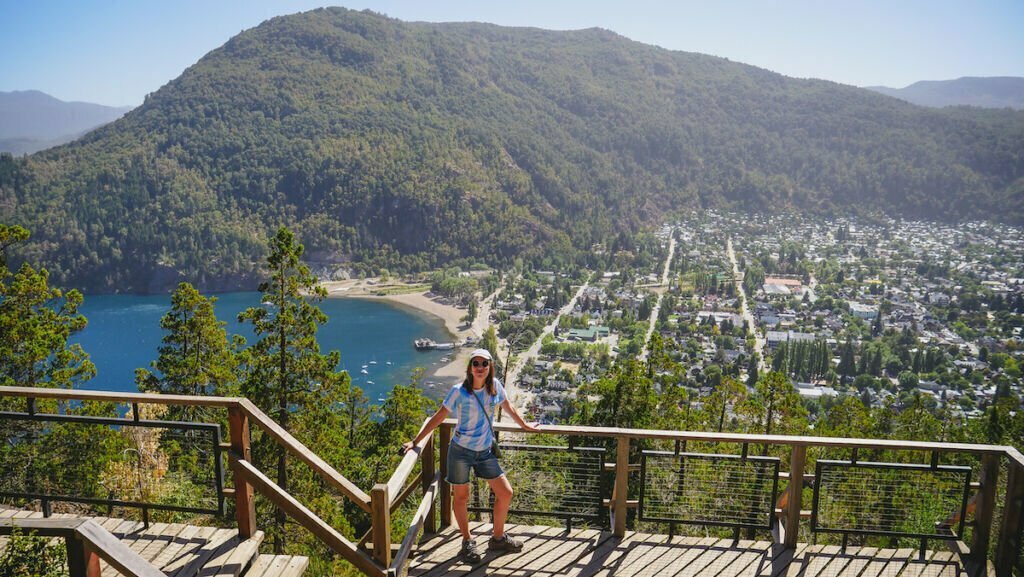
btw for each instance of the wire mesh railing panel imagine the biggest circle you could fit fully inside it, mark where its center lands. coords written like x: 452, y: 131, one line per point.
x: 89, y: 462
x: 550, y: 481
x: 898, y: 500
x: 705, y: 489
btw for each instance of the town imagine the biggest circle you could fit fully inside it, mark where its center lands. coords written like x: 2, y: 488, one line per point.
x: 883, y: 309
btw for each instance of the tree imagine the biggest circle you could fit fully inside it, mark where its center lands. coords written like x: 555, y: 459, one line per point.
x: 730, y: 393
x: 908, y: 380
x: 36, y: 321
x: 877, y: 328
x: 31, y: 556
x: 195, y: 357
x: 625, y: 398
x: 288, y: 377
x: 752, y: 369
x: 490, y: 342
x: 847, y: 363
x: 774, y: 407
x: 848, y: 417
x: 471, y: 313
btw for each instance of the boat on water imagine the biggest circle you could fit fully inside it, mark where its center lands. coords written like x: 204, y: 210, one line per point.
x: 370, y: 383
x: 430, y: 345
x: 373, y: 362
x: 364, y: 371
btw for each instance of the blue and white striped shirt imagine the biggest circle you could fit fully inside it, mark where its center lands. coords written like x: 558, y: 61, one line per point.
x: 472, y: 431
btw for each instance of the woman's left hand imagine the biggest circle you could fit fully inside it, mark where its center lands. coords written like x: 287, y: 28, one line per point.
x: 533, y: 427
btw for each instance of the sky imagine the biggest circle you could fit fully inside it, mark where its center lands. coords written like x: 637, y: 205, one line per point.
x: 115, y: 52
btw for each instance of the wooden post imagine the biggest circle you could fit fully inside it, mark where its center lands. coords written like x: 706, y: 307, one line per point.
x: 985, y: 507
x: 1010, y: 530
x: 82, y: 560
x: 446, y: 490
x: 245, y: 504
x: 380, y: 511
x: 797, y: 461
x: 621, y: 491
x: 427, y: 474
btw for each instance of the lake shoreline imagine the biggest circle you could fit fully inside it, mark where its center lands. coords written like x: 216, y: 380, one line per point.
x: 414, y: 298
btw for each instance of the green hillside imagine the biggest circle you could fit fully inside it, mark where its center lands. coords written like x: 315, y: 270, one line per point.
x: 407, y: 145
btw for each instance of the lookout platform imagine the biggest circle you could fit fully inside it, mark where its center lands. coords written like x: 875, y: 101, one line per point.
x: 553, y: 551
x: 958, y: 508
x: 181, y: 550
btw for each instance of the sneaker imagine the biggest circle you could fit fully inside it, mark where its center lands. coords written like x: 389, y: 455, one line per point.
x: 470, y: 552
x: 506, y: 544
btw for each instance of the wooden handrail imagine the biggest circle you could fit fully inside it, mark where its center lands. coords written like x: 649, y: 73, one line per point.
x: 321, y: 467
x: 788, y: 440
x: 394, y: 491
x: 404, y: 469
x: 1014, y: 456
x: 152, y: 398
x: 95, y: 539
x: 419, y: 520
x: 296, y: 510
x: 257, y: 416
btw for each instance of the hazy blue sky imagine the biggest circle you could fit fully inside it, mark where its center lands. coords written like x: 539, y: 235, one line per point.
x: 117, y: 51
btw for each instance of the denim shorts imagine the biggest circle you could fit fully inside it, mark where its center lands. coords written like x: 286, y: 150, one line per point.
x: 461, y: 460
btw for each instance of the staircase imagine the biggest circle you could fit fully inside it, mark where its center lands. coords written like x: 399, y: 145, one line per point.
x: 179, y: 550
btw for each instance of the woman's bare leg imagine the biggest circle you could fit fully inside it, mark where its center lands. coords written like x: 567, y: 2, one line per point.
x: 502, y: 490
x: 460, y: 508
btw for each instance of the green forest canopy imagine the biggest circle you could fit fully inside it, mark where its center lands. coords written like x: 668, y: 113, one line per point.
x: 409, y: 145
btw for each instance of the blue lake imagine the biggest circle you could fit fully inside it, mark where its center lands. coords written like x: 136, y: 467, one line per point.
x: 124, y: 334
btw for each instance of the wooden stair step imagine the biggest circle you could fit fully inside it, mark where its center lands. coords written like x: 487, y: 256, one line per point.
x: 278, y: 566
x: 233, y: 562
x: 190, y: 565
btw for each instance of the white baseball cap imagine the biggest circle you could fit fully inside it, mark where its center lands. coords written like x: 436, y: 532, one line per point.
x: 482, y: 353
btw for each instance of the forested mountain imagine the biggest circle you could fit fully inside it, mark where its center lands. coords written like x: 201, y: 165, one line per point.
x: 407, y: 145
x: 986, y: 92
x: 31, y: 120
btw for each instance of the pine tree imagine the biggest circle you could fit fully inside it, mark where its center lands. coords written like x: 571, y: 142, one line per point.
x: 847, y: 364
x: 288, y: 377
x: 729, y: 394
x: 36, y: 321
x: 774, y: 407
x: 195, y: 357
x: 752, y: 370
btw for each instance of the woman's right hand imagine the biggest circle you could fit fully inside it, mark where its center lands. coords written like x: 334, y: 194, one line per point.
x: 407, y: 446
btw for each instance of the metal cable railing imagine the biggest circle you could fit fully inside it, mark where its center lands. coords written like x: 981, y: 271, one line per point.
x: 708, y: 489
x: 565, y: 485
x: 550, y: 481
x: 161, y: 467
x: 889, y: 499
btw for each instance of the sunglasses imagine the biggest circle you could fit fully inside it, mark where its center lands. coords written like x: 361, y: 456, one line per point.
x: 483, y: 364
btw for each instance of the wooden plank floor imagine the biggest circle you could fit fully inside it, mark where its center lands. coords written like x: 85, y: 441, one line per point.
x: 551, y: 551
x: 188, y: 550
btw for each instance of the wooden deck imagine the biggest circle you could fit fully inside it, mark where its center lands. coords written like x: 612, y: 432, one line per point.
x: 187, y: 550
x: 551, y: 551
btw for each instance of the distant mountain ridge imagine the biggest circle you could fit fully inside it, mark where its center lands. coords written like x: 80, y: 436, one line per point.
x: 984, y: 92
x: 405, y: 146
x: 31, y: 120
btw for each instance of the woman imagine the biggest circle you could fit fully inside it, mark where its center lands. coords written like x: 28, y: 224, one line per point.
x: 473, y: 403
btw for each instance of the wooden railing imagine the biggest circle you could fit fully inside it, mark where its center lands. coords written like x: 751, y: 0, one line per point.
x: 242, y: 415
x: 384, y: 498
x: 86, y: 543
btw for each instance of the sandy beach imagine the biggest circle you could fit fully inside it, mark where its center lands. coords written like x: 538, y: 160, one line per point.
x: 415, y: 297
